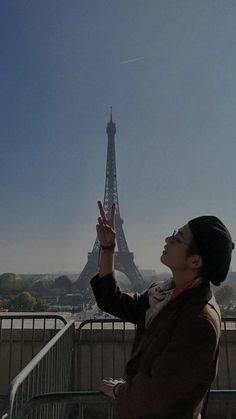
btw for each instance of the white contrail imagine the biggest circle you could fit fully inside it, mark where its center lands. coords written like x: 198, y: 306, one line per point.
x: 133, y: 59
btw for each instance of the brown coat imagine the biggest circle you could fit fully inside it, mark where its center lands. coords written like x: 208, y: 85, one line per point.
x: 173, y: 361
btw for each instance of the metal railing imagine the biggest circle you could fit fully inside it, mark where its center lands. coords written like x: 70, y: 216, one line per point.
x: 21, y: 337
x: 48, y: 371
x: 226, y: 378
x: 221, y: 404
x: 83, y: 399
x: 79, y: 398
x: 108, y: 343
x: 102, y: 348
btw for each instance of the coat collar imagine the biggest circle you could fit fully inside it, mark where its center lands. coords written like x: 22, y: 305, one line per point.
x: 198, y: 295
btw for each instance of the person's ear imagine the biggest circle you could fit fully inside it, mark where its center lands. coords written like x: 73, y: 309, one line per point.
x: 196, y: 262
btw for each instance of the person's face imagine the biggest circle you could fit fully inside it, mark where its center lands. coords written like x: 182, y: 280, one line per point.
x: 175, y: 251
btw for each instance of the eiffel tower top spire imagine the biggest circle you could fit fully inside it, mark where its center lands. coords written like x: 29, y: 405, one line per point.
x: 111, y: 192
x: 111, y: 127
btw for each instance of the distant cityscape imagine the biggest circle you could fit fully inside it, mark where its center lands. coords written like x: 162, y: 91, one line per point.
x: 73, y: 276
x: 147, y: 274
x: 61, y: 292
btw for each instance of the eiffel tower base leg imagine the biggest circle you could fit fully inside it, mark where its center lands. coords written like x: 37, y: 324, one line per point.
x: 124, y: 262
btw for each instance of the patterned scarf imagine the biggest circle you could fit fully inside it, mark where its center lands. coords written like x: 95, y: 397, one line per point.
x: 162, y: 292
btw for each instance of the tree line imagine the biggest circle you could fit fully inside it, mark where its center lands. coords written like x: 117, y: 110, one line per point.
x: 28, y: 294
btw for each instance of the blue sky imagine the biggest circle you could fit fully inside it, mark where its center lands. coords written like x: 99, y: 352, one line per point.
x: 168, y: 68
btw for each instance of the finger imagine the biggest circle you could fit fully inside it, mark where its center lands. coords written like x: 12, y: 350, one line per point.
x: 100, y: 221
x: 103, y: 215
x: 103, y: 385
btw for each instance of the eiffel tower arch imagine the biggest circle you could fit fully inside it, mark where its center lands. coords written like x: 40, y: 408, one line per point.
x: 124, y: 259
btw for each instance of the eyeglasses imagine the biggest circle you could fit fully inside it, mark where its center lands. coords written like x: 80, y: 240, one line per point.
x: 175, y: 237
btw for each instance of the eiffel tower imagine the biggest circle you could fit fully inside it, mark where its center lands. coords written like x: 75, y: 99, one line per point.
x: 124, y: 259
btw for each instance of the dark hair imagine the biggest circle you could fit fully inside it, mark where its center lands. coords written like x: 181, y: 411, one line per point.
x: 194, y: 250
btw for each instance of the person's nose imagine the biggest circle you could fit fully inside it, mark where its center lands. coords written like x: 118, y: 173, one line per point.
x: 168, y: 239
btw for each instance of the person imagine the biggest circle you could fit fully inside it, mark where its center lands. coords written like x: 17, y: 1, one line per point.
x: 175, y: 351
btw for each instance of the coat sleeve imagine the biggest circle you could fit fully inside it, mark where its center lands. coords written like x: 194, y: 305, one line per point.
x: 185, y: 366
x: 112, y: 300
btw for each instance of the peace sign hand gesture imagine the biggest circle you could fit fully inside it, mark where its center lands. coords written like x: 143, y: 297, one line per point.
x: 106, y: 228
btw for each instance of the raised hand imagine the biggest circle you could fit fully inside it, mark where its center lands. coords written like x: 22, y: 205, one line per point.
x: 106, y: 227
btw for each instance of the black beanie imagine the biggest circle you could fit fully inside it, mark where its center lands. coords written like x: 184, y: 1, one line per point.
x: 215, y: 246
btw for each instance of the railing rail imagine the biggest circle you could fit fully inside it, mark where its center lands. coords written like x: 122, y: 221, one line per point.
x: 80, y: 398
x: 49, y: 370
x: 83, y: 398
x: 222, y: 395
x: 32, y: 315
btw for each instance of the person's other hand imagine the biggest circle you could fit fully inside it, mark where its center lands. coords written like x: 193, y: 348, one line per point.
x: 107, y: 386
